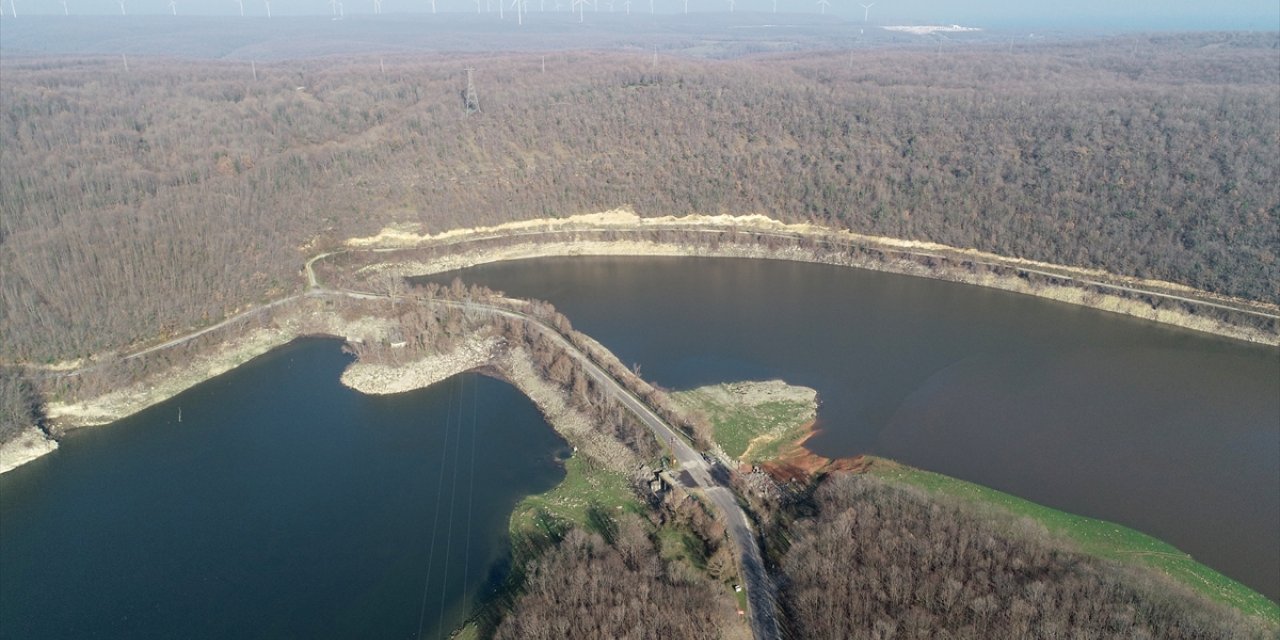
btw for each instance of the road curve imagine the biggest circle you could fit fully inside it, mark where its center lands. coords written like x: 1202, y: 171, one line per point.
x: 759, y: 587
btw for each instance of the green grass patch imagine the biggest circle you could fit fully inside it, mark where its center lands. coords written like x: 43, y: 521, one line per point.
x: 1091, y: 536
x: 469, y: 631
x: 586, y: 491
x: 675, y: 544
x: 735, y: 425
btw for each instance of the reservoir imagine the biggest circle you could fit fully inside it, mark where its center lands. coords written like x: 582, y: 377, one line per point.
x: 1169, y: 431
x: 282, y: 505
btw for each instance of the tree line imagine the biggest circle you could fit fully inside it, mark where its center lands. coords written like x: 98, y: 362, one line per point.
x: 144, y: 204
x: 861, y: 558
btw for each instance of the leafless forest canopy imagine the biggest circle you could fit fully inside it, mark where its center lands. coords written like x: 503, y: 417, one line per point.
x: 865, y: 559
x: 147, y: 201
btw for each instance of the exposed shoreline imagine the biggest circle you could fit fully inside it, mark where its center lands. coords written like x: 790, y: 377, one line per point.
x: 32, y: 443
x: 1073, y: 285
x: 299, y: 319
x: 513, y: 366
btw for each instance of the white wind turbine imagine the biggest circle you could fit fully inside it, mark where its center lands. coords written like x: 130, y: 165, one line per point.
x: 515, y: 4
x: 173, y: 6
x: 866, y: 11
x: 241, y: 3
x: 626, y: 4
x: 121, y: 2
x: 12, y: 8
x: 268, y: 3
x: 582, y: 8
x: 731, y: 3
x: 822, y: 6
x: 65, y: 10
x: 433, y: 6
x: 686, y: 7
x: 377, y: 7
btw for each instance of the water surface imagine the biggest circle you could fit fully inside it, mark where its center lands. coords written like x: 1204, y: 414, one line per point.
x: 283, y: 505
x: 1173, y: 432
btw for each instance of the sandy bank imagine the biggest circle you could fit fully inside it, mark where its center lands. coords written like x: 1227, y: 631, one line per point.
x: 1080, y: 286
x: 379, y: 379
x: 29, y: 445
x: 227, y: 355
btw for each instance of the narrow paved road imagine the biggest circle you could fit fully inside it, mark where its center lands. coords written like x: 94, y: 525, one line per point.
x: 759, y: 587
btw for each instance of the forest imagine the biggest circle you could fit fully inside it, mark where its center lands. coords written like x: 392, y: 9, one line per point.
x: 144, y: 202
x: 862, y: 558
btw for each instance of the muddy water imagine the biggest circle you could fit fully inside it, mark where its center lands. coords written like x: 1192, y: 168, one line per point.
x: 1172, y: 432
x: 283, y: 505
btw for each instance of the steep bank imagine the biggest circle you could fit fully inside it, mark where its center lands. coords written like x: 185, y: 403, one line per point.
x: 29, y: 445
x: 400, y: 251
x: 515, y: 366
x: 228, y: 350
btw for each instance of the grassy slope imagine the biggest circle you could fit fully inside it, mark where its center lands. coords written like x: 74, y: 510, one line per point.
x: 734, y: 426
x: 1095, y: 537
x: 584, y: 486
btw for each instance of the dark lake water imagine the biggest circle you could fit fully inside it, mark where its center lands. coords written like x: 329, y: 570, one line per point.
x: 284, y: 505
x: 1172, y: 432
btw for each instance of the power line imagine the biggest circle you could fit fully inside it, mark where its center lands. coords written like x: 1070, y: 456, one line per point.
x: 435, y: 526
x: 471, y: 494
x: 453, y: 495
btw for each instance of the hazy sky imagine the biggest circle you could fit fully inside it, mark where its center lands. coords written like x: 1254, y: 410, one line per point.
x: 1106, y: 14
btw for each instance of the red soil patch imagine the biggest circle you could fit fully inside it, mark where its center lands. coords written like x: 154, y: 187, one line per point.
x: 798, y: 464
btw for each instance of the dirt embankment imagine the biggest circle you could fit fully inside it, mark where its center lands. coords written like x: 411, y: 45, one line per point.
x: 514, y: 365
x: 29, y: 445
x: 777, y: 240
x: 225, y: 356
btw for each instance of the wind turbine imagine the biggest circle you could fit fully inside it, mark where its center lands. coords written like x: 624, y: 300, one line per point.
x: 515, y: 4
x: 268, y: 3
x: 173, y: 6
x: 12, y: 7
x: 65, y: 11
x: 686, y: 7
x: 651, y: 6
x: 626, y: 4
x: 582, y: 8
x: 822, y: 6
x: 866, y: 11
x: 433, y: 6
x: 122, y: 12
x: 377, y: 7
x: 731, y: 6
x: 241, y: 3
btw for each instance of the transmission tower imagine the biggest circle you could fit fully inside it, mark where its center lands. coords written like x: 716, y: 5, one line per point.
x: 470, y: 102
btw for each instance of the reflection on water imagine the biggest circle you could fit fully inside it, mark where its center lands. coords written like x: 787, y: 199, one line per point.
x: 283, y: 505
x: 1172, y: 432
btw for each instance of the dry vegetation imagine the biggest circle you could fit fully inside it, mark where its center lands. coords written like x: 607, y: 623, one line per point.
x: 143, y: 203
x: 864, y: 559
x: 590, y: 586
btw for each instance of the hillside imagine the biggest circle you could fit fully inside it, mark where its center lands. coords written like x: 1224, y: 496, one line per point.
x: 148, y: 201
